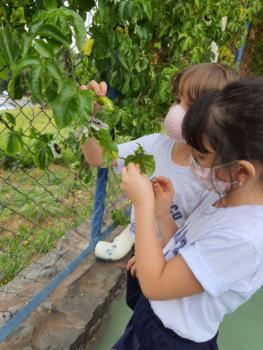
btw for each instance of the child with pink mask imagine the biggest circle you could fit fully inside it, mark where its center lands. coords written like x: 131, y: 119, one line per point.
x: 171, y: 155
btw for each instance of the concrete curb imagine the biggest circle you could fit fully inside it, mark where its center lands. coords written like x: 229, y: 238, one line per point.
x: 71, y: 315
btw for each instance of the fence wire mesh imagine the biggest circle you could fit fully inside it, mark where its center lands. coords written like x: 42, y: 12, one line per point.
x: 38, y: 207
x: 252, y: 63
x: 44, y: 209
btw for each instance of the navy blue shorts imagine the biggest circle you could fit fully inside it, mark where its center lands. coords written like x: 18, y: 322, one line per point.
x: 145, y: 331
x: 133, y: 291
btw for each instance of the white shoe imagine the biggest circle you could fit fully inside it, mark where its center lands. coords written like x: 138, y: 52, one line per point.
x: 117, y: 249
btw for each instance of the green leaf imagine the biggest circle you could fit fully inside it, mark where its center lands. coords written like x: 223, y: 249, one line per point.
x: 124, y: 62
x: 17, y: 16
x: 33, y: 133
x: 15, y: 90
x: 7, y: 45
x: 25, y: 44
x: 43, y: 157
x: 142, y: 32
x: 120, y: 218
x: 25, y: 63
x: 86, y: 5
x: 66, y: 106
x: 110, y: 117
x: 51, y: 91
x: 105, y: 102
x: 145, y: 161
x: 50, y: 31
x: 50, y: 4
x: 55, y: 46
x: 14, y: 143
x: 135, y: 83
x: 3, y: 68
x: 9, y: 118
x: 147, y: 9
x: 109, y: 147
x: 87, y: 47
x: 126, y: 85
x: 79, y: 28
x: 121, y: 10
x: 35, y: 83
x: 86, y: 106
x: 56, y: 74
x: 43, y: 48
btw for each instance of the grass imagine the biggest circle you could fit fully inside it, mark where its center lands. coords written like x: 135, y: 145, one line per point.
x: 38, y: 207
x: 26, y: 118
x: 35, y: 211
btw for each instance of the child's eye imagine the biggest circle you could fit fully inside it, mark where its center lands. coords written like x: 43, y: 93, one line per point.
x: 198, y: 156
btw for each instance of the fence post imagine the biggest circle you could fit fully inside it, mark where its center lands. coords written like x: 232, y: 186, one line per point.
x: 240, y: 52
x: 100, y: 192
x: 99, y: 204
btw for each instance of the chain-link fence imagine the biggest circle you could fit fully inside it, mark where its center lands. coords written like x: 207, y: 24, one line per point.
x: 252, y: 62
x: 38, y: 207
x: 51, y: 219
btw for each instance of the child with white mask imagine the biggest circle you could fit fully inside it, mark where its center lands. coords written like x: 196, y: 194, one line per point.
x: 172, y: 160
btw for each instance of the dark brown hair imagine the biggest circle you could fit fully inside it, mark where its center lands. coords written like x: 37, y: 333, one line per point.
x: 230, y: 120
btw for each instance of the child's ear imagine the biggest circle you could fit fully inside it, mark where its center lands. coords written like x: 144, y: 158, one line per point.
x: 246, y: 171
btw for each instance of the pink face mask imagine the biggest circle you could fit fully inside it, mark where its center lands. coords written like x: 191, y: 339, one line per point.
x: 173, y: 123
x: 207, y: 178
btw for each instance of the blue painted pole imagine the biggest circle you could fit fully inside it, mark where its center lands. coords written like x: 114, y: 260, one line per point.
x: 240, y: 52
x: 100, y: 192
x: 99, y: 204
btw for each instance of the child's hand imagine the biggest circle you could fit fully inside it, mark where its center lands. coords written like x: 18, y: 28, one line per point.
x: 100, y: 89
x: 137, y: 186
x: 131, y: 266
x: 164, y: 193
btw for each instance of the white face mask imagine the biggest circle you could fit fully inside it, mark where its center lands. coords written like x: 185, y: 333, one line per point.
x: 207, y: 178
x: 173, y: 122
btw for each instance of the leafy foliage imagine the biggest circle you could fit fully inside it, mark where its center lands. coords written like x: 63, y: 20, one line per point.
x: 136, y: 46
x: 140, y: 45
x: 35, y: 36
x: 119, y: 217
x: 145, y: 161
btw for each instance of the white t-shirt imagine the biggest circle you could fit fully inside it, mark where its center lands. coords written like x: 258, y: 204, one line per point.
x: 224, y: 249
x: 188, y: 192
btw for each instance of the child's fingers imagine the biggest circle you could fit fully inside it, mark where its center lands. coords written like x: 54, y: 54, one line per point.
x: 165, y: 183
x: 103, y: 88
x: 162, y: 179
x: 124, y: 174
x: 157, y: 189
x: 93, y: 85
x: 138, y: 167
x: 133, y: 270
x: 83, y: 87
x: 131, y: 167
x: 130, y: 263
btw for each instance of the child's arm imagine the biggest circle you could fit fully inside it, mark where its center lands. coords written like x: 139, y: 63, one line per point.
x: 164, y: 194
x: 91, y: 149
x: 159, y: 280
x: 93, y: 153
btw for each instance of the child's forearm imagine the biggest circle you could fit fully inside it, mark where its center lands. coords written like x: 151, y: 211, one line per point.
x: 93, y: 153
x: 167, y: 227
x: 148, y: 252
